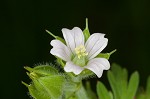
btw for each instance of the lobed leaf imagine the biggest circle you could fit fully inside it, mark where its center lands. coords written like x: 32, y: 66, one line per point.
x: 121, y: 76
x: 90, y: 93
x: 81, y: 93
x: 133, y: 85
x: 113, y: 84
x: 148, y: 88
x: 148, y: 85
x: 102, y: 91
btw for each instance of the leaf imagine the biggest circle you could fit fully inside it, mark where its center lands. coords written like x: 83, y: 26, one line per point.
x: 121, y: 77
x: 111, y: 95
x: 106, y: 55
x: 113, y: 85
x: 81, y: 93
x: 69, y: 89
x: 90, y: 93
x: 133, y: 85
x: 102, y: 91
x: 148, y: 85
x: 142, y: 94
x: 148, y: 88
x: 86, y: 31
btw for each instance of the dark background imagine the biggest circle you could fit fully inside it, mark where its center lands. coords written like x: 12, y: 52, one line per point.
x: 24, y: 41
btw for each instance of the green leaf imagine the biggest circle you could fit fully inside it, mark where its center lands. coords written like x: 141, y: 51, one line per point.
x: 113, y: 84
x: 148, y: 88
x: 102, y: 91
x: 81, y: 93
x: 69, y: 89
x: 148, y: 85
x: 121, y: 77
x: 111, y: 95
x: 86, y: 31
x: 141, y: 96
x: 133, y: 85
x: 106, y: 55
x: 90, y: 93
x: 56, y: 37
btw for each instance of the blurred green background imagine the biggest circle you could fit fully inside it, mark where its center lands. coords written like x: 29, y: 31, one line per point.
x: 24, y: 41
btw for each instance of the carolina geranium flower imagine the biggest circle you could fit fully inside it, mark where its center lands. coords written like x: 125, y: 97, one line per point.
x: 80, y: 55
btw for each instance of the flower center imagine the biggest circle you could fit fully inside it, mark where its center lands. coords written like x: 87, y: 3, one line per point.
x: 80, y: 51
x: 80, y: 57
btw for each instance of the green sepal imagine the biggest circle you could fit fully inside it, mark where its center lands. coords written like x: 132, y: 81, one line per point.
x: 86, y: 31
x: 85, y: 74
x: 48, y: 87
x: 35, y: 93
x: 60, y: 61
x: 106, y: 55
x: 46, y: 83
x: 102, y: 91
x: 56, y: 37
x: 53, y: 85
x: 42, y: 70
x: 79, y: 62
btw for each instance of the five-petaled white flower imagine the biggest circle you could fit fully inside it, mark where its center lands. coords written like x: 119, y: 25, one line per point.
x: 80, y: 55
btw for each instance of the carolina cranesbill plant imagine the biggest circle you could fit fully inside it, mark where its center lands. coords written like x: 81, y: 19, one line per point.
x: 79, y: 55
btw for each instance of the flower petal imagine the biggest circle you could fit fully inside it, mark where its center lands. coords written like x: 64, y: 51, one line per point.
x: 73, y: 37
x: 60, y: 50
x: 95, y: 44
x: 97, y: 65
x: 71, y: 67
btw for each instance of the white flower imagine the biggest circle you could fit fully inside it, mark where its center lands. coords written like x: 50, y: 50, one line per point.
x: 80, y: 55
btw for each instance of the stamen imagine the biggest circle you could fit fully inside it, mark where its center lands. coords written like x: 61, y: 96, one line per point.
x: 80, y: 51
